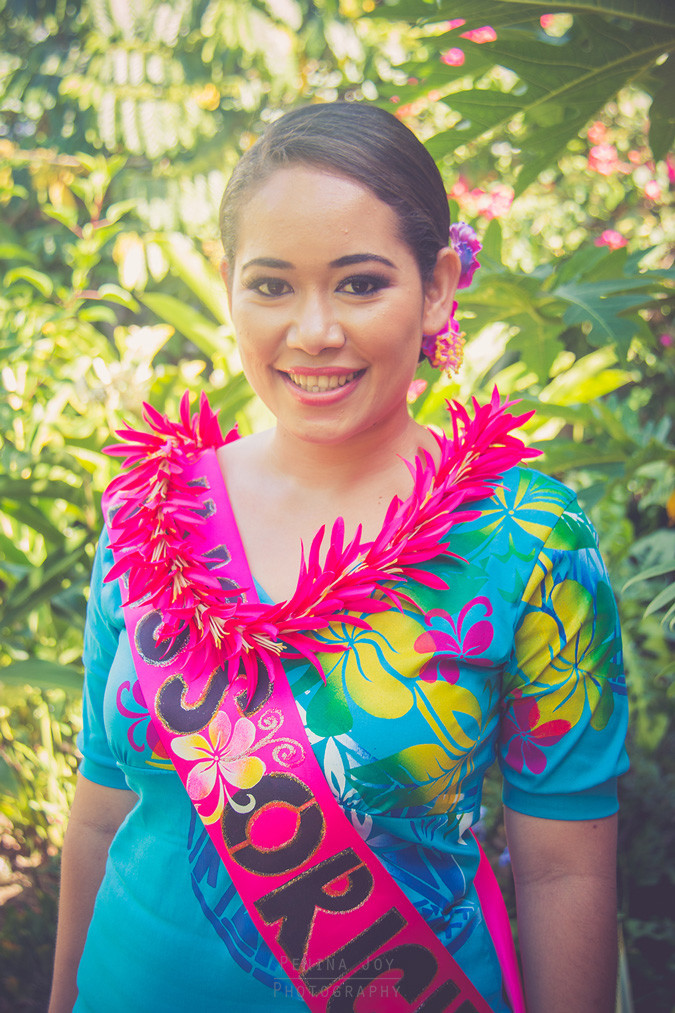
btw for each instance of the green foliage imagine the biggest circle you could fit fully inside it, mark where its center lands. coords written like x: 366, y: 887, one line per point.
x: 177, y: 87
x: 555, y: 83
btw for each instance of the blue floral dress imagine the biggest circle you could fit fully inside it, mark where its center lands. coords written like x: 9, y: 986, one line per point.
x: 518, y: 660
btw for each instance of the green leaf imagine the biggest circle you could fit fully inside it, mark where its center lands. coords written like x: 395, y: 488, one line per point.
x: 9, y: 783
x: 118, y: 210
x: 600, y: 304
x: 42, y: 488
x: 563, y: 454
x: 205, y: 334
x: 587, y: 379
x: 231, y: 398
x: 662, y: 599
x: 32, y: 517
x: 538, y: 342
x: 11, y: 553
x: 45, y: 582
x: 113, y: 293
x: 563, y: 83
x: 98, y: 314
x: 12, y: 251
x: 42, y: 282
x: 197, y: 273
x: 652, y: 571
x: 662, y: 112
x: 66, y: 215
x: 492, y: 242
x: 501, y: 13
x: 42, y: 675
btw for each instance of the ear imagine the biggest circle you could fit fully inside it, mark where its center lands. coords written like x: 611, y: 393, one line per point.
x: 439, y: 291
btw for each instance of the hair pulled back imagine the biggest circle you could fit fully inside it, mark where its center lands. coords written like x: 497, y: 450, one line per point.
x: 361, y: 142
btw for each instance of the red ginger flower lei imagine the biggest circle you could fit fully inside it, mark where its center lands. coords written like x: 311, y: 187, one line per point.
x: 157, y: 538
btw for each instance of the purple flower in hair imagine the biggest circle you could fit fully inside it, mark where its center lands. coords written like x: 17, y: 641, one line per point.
x: 466, y: 244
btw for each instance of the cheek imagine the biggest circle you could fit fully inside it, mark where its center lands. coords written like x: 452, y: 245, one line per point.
x: 254, y: 339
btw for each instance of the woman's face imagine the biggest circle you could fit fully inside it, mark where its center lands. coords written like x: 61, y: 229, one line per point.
x: 328, y: 305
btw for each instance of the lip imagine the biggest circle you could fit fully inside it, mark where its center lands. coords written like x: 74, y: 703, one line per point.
x: 321, y: 397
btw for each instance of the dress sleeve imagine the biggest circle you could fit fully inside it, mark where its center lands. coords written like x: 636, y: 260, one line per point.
x: 103, y: 627
x: 564, y: 707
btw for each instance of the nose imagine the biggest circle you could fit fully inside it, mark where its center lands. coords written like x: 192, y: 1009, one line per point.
x: 314, y: 327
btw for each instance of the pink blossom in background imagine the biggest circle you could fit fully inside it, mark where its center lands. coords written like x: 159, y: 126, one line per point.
x: 453, y: 57
x: 395, y: 99
x: 413, y: 80
x: 666, y: 340
x: 434, y: 95
x: 653, y: 190
x: 494, y: 203
x: 502, y: 199
x: 481, y: 35
x: 460, y: 189
x: 411, y: 108
x: 547, y: 21
x: 596, y: 132
x: 455, y: 23
x: 635, y: 157
x: 611, y: 238
x: 416, y: 388
x: 604, y: 159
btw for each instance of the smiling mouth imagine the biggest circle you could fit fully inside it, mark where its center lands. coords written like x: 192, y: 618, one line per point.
x: 315, y: 384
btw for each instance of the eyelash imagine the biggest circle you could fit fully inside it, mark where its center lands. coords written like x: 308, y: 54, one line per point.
x: 374, y: 283
x: 256, y: 285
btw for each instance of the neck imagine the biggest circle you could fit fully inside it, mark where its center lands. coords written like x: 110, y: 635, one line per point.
x: 340, y: 465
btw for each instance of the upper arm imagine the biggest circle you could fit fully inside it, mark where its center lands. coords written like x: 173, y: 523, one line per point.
x: 544, y: 849
x: 100, y: 808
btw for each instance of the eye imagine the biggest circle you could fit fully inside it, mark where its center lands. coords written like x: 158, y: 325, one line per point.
x: 271, y: 288
x: 363, y: 284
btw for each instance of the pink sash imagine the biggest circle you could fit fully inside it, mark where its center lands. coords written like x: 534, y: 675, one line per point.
x: 333, y: 916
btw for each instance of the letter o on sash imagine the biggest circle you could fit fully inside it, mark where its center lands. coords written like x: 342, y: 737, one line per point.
x: 287, y: 791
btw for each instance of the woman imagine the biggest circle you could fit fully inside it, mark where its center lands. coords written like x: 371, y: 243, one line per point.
x: 455, y: 610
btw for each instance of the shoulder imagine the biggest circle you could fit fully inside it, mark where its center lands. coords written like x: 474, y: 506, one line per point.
x: 525, y: 507
x: 243, y: 463
x: 105, y: 596
x: 240, y: 450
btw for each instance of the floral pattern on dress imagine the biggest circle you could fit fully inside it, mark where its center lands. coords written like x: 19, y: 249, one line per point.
x: 416, y: 707
x: 569, y: 645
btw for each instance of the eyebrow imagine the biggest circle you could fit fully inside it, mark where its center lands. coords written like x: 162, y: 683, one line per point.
x: 346, y: 261
x: 360, y: 258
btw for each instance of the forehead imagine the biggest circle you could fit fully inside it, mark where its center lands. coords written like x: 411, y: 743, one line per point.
x: 303, y: 205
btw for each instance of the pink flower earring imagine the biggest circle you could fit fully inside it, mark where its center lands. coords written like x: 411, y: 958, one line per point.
x: 445, y: 348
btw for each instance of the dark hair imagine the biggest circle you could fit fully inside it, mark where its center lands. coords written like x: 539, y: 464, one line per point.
x: 361, y: 142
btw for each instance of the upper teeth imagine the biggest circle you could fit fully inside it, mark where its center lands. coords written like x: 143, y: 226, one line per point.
x: 317, y: 383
